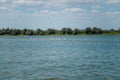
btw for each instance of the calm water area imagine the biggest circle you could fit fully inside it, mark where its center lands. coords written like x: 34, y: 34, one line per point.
x: 92, y: 57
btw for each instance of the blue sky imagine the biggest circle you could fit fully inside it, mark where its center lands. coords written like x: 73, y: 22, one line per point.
x: 59, y: 13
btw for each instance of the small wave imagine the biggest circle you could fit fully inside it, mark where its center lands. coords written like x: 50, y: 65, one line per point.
x: 51, y: 79
x: 100, y: 77
x: 51, y: 39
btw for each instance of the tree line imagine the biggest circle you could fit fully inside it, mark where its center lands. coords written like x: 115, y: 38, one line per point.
x: 63, y: 31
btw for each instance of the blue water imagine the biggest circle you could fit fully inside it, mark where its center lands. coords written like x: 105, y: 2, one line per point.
x: 60, y: 57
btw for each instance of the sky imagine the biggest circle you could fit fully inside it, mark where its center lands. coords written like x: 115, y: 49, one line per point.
x: 57, y: 14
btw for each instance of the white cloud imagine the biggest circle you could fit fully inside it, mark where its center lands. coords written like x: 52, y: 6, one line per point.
x: 87, y: 1
x: 44, y: 12
x: 113, y: 1
x: 28, y: 2
x: 65, y: 11
x: 3, y: 8
x: 66, y: 3
x: 95, y: 1
x: 2, y: 1
x: 42, y: 3
x: 43, y: 7
x: 112, y: 13
x: 58, y: 3
x: 74, y: 10
x: 47, y: 12
x: 96, y: 6
x: 95, y: 11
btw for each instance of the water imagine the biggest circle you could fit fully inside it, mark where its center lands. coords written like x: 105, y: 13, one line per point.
x: 60, y: 57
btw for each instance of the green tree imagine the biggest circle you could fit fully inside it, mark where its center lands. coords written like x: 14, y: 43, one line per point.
x: 1, y: 33
x: 88, y: 30
x: 96, y: 30
x: 38, y: 32
x: 29, y: 32
x: 66, y: 31
x: 50, y: 31
x: 76, y: 31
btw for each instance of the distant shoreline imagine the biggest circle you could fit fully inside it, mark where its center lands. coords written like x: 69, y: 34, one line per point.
x: 64, y: 35
x: 55, y: 32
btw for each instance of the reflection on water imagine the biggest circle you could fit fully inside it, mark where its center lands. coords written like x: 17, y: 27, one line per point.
x: 60, y: 58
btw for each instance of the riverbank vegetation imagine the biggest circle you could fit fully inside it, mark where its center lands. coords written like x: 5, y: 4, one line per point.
x: 63, y: 31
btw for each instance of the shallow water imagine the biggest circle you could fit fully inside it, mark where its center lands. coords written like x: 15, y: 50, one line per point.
x: 60, y: 57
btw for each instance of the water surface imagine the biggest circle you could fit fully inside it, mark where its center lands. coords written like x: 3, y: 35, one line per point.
x: 60, y: 57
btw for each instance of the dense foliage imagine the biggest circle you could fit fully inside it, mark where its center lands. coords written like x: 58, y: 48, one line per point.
x: 63, y: 31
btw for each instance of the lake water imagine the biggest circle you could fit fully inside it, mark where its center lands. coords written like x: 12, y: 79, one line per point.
x: 60, y: 57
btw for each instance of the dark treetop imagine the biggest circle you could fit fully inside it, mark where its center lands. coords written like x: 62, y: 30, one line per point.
x: 63, y: 31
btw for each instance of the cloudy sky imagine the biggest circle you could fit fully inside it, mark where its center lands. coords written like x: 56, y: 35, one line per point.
x: 59, y: 13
